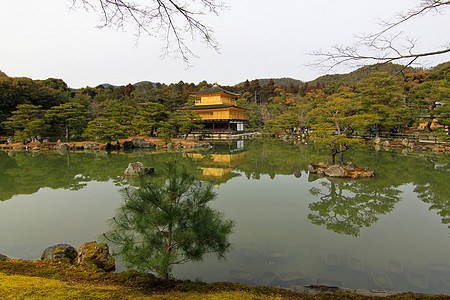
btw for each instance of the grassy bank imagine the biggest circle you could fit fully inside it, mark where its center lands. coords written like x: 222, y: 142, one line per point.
x: 58, y: 279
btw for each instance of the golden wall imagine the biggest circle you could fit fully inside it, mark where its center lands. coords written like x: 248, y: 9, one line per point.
x: 221, y: 114
x: 214, y: 99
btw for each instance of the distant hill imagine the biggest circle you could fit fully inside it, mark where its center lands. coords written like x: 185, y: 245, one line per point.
x: 3, y: 74
x: 363, y: 73
x: 106, y: 85
x: 278, y: 81
x: 440, y: 71
x: 141, y: 82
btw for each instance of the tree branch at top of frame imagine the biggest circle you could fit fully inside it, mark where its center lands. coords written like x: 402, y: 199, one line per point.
x: 384, y: 46
x: 174, y: 21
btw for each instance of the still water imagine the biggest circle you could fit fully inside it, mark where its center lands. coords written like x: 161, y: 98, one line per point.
x: 292, y: 228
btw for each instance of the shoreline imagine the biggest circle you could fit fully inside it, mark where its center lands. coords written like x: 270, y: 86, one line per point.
x: 158, y: 143
x: 59, y: 277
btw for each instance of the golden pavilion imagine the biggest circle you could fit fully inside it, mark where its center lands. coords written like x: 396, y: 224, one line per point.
x: 218, y: 110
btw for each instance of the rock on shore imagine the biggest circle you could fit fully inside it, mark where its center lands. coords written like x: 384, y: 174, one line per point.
x: 90, y: 252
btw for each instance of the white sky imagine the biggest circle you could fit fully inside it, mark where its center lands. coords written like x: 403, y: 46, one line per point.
x: 258, y: 39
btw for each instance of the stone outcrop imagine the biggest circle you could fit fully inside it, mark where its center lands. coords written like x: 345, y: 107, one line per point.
x: 61, y: 147
x: 110, y: 146
x: 136, y: 169
x: 335, y: 171
x: 97, y: 254
x: 203, y: 145
x: 137, y: 143
x: 90, y: 145
x: 349, y: 170
x: 127, y: 145
x: 298, y: 173
x: 60, y: 251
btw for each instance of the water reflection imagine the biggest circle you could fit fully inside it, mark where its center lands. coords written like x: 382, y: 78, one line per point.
x: 291, y: 227
x: 27, y: 172
x: 346, y: 206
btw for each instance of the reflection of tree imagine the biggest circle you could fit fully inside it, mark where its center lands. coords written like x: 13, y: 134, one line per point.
x: 25, y: 172
x: 441, y: 203
x: 347, y: 206
x: 273, y: 157
x: 432, y: 187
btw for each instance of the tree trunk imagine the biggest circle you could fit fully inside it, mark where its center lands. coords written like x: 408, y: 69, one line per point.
x: 187, y: 134
x: 333, y: 155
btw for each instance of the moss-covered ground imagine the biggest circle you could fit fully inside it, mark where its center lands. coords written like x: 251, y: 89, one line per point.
x: 58, y: 279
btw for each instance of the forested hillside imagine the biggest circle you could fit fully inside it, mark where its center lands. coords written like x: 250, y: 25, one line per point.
x: 31, y: 109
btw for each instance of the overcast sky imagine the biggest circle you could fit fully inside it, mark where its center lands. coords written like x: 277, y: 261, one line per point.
x: 258, y: 39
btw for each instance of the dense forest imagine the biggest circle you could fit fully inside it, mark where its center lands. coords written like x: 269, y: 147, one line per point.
x: 381, y: 97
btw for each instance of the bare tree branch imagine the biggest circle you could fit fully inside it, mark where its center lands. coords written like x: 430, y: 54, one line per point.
x: 172, y: 20
x: 384, y: 46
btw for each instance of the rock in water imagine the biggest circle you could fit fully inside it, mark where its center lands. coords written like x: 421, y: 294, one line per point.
x: 63, y: 147
x: 60, y: 251
x: 139, y: 142
x: 97, y: 254
x: 136, y: 169
x: 127, y: 145
x: 90, y: 145
x: 335, y: 171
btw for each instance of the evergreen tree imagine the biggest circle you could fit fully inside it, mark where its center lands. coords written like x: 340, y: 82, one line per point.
x: 186, y: 122
x: 334, y: 119
x: 148, y: 118
x: 70, y: 116
x: 27, y: 122
x: 383, y: 97
x: 102, y: 128
x: 167, y: 224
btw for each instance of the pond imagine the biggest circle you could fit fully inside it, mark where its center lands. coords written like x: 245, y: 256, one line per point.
x: 390, y: 232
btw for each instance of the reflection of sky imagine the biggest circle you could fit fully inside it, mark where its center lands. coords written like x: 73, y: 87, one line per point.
x: 269, y: 218
x: 30, y: 223
x: 270, y: 215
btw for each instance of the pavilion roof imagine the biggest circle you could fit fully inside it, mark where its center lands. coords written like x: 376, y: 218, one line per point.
x: 215, y: 89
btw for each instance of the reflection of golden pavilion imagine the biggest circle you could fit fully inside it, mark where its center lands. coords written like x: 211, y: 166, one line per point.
x: 219, y: 166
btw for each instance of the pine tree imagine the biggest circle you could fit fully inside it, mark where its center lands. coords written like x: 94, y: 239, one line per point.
x: 334, y: 119
x: 27, y: 122
x: 70, y: 116
x: 167, y: 224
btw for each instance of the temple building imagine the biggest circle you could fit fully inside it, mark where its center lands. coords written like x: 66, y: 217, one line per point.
x: 218, y: 110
